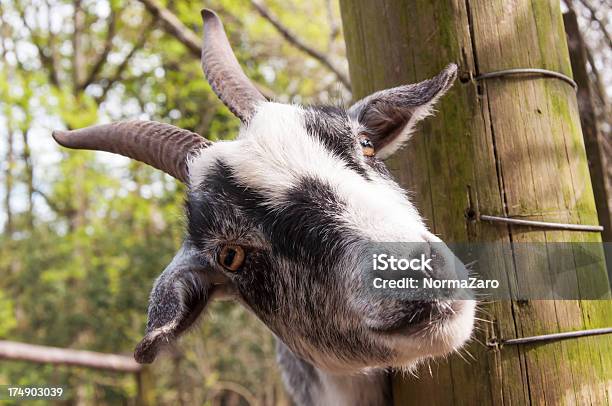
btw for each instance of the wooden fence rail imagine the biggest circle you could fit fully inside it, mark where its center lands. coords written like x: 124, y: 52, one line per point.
x: 15, y: 351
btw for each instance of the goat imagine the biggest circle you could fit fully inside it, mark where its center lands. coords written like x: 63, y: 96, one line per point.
x: 279, y: 220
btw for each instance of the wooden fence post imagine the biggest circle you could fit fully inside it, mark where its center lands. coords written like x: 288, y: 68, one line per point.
x: 507, y: 147
x: 146, y: 387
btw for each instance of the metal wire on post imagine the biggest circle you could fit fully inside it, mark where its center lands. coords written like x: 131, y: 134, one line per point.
x: 533, y: 223
x: 551, y: 337
x: 542, y: 224
x: 527, y: 71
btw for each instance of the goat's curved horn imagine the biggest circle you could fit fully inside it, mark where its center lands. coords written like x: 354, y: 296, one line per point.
x: 223, y: 71
x: 160, y: 145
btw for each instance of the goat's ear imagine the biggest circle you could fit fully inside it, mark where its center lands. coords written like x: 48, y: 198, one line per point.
x: 178, y: 297
x: 389, y: 115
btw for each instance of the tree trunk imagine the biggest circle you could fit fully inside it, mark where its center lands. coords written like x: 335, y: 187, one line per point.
x: 507, y: 147
x: 10, y: 157
x: 8, y: 180
x: 78, y: 58
x: 29, y: 176
x: 593, y: 140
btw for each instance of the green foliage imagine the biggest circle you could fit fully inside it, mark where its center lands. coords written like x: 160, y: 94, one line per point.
x: 7, y: 316
x: 76, y: 111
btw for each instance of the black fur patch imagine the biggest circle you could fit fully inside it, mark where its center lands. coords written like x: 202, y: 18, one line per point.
x: 307, y: 227
x: 303, y: 227
x: 331, y: 125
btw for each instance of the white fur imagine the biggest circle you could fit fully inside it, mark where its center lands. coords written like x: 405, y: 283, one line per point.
x: 439, y: 339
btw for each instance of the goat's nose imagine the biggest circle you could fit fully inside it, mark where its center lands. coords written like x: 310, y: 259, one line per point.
x: 445, y: 264
x: 414, y: 260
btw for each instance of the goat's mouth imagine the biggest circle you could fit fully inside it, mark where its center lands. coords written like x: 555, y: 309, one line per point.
x: 442, y: 327
x: 426, y: 315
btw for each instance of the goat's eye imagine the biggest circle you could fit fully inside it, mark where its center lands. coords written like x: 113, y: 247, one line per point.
x: 367, y: 146
x: 231, y: 257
